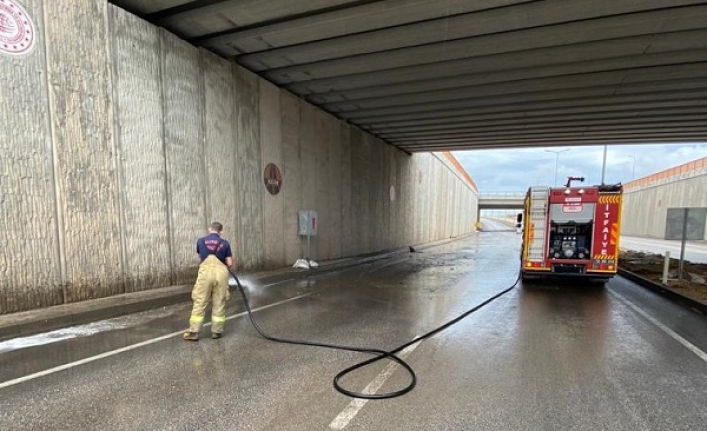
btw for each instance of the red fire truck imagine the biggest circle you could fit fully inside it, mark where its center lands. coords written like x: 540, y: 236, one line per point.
x: 571, y: 231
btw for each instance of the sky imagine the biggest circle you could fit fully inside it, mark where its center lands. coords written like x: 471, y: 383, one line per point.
x: 516, y: 169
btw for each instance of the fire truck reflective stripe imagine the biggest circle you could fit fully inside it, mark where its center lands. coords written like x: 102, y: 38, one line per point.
x: 614, y: 235
x: 603, y: 257
x: 614, y: 199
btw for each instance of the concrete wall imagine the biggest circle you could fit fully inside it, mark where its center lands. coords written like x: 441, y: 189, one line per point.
x: 120, y: 143
x: 678, y: 187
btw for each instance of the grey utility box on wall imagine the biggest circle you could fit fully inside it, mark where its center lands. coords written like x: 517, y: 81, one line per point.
x: 308, y: 223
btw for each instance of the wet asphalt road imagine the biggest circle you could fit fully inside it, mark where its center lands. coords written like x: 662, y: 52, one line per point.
x: 546, y: 357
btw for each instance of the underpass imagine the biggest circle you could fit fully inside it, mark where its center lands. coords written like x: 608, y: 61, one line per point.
x: 122, y: 147
x: 165, y: 116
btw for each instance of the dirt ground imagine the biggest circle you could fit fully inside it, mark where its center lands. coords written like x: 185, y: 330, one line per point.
x: 650, y: 266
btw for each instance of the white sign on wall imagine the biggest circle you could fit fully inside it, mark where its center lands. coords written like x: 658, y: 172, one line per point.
x: 17, y: 32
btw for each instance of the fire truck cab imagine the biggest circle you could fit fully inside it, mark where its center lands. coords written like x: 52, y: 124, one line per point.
x: 571, y: 231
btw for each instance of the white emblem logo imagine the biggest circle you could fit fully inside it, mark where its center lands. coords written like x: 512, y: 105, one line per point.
x: 16, y: 29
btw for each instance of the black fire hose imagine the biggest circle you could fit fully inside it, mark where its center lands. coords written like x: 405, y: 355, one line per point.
x: 379, y: 354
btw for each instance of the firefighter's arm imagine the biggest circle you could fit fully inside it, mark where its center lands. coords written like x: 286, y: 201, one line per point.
x: 229, y: 256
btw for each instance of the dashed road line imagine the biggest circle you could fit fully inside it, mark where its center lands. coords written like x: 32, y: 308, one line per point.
x: 355, y: 406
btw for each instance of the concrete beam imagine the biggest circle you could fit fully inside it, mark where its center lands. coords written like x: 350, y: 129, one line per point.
x: 643, y: 51
x: 537, y: 143
x: 664, y: 118
x: 560, y: 33
x: 613, y: 79
x: 536, y: 111
x: 349, y: 18
x: 525, y: 16
x: 685, y: 91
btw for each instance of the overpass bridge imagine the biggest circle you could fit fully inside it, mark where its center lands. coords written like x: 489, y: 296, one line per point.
x: 501, y: 200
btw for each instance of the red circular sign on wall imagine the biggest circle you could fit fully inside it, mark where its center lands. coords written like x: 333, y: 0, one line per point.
x: 273, y: 178
x: 16, y: 29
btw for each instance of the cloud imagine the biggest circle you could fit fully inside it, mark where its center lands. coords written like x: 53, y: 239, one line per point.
x: 516, y: 169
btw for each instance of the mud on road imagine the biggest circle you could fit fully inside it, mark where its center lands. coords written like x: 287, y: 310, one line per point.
x: 650, y: 266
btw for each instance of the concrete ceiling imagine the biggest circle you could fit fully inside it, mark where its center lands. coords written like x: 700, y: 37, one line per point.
x: 460, y: 74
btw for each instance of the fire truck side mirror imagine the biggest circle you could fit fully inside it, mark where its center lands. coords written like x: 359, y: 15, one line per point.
x: 519, y: 218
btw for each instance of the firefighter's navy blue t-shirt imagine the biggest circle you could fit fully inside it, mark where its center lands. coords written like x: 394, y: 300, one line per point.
x: 207, y: 245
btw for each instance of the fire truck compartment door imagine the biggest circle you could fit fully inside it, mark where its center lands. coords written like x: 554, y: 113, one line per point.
x: 577, y: 212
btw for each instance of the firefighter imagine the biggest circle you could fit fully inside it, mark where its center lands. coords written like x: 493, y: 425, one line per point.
x: 211, y: 283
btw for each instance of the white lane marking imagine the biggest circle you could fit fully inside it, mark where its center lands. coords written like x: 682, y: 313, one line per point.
x: 343, y: 419
x: 79, y: 331
x: 128, y: 348
x: 694, y: 349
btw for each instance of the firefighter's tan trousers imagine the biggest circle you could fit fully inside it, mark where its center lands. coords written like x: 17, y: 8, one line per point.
x: 211, y: 284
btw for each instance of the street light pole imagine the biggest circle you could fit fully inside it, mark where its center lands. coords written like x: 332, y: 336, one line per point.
x: 557, y: 157
x: 603, y: 166
x: 633, y: 171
